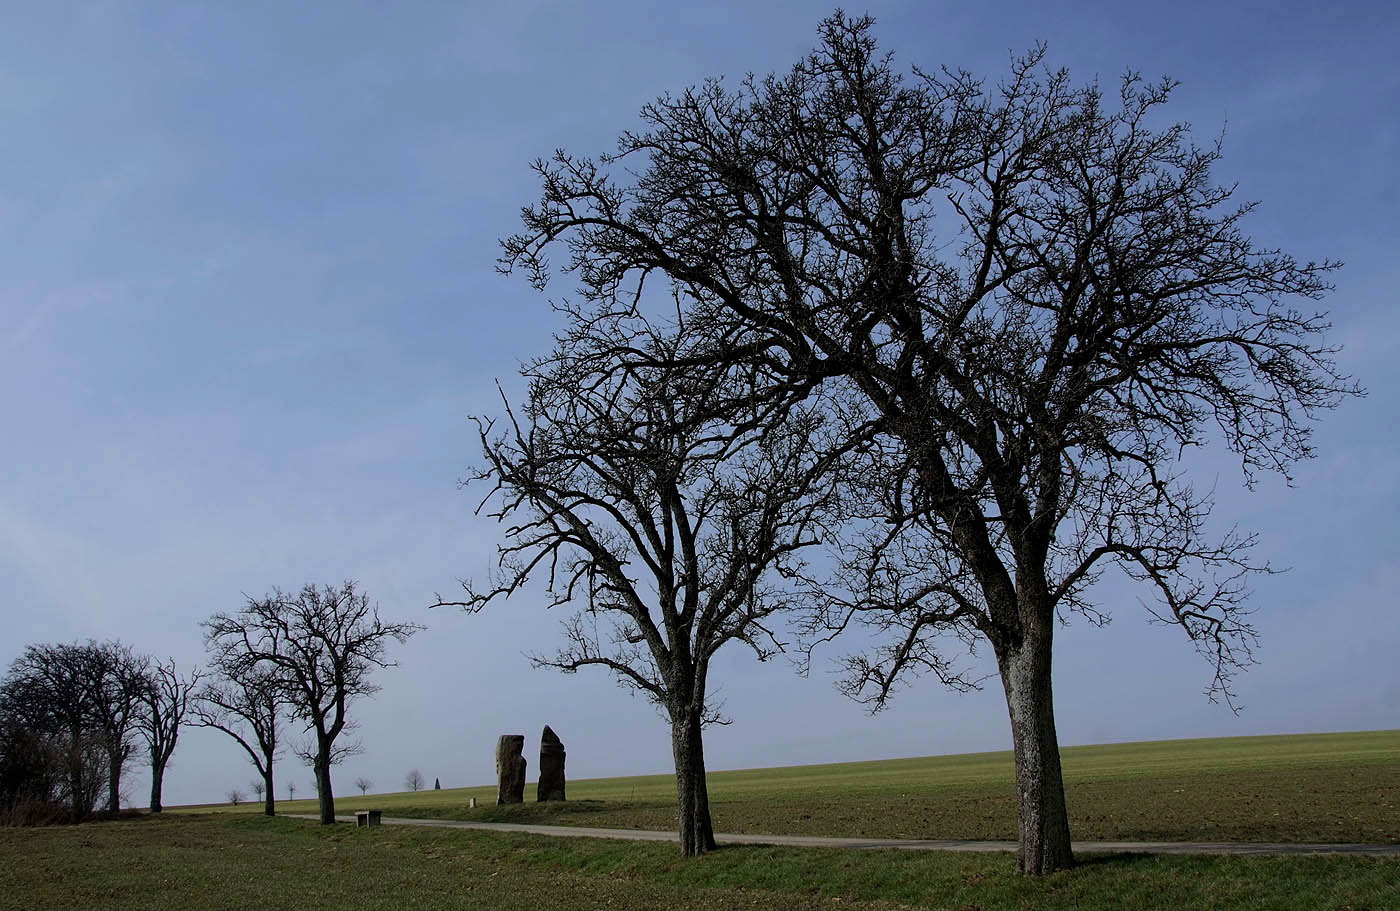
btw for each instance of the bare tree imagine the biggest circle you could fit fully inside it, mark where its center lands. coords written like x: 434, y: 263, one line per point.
x: 413, y: 780
x: 235, y: 797
x: 164, y: 699
x: 86, y: 695
x: 258, y: 787
x: 291, y: 790
x: 364, y: 784
x: 669, y: 518
x: 321, y: 645
x: 55, y: 746
x: 245, y: 704
x: 116, y: 677
x: 1039, y: 295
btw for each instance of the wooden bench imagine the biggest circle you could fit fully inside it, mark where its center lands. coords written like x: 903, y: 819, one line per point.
x: 367, y: 817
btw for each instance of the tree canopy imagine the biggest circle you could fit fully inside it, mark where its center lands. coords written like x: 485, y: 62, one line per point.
x: 1032, y: 296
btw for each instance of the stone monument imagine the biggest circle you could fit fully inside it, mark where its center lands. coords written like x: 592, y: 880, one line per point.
x: 510, y: 769
x: 551, y: 766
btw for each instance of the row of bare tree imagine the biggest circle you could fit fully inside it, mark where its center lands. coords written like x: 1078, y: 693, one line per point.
x: 72, y: 717
x: 304, y: 656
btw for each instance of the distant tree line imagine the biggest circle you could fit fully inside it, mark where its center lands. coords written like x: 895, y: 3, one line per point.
x: 75, y: 717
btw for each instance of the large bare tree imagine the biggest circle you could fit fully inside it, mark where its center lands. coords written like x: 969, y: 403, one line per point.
x: 321, y: 646
x: 669, y: 519
x: 1038, y: 293
x: 164, y: 701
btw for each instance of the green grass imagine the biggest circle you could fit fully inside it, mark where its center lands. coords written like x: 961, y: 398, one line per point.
x: 188, y: 862
x: 1296, y: 788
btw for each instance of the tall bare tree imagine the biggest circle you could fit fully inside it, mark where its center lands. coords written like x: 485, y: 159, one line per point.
x: 115, y: 676
x: 1039, y: 294
x: 164, y: 699
x: 413, y: 780
x: 245, y: 703
x: 320, y: 645
x: 671, y: 520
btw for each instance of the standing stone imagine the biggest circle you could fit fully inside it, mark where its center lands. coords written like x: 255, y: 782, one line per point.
x: 510, y: 769
x: 551, y: 766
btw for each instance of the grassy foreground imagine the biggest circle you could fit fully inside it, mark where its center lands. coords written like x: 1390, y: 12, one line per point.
x: 187, y: 862
x: 1296, y: 788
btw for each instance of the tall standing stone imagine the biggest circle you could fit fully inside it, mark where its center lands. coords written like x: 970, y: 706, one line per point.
x: 551, y: 766
x: 510, y: 769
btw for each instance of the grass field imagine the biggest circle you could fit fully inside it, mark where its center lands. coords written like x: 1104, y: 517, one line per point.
x: 1296, y: 788
x: 188, y: 862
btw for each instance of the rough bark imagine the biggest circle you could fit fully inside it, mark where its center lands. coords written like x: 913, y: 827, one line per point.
x: 692, y: 793
x: 157, y: 780
x: 1040, y: 793
x: 322, y: 768
x: 114, y: 782
x: 269, y: 805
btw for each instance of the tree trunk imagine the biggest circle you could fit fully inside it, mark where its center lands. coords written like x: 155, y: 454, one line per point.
x: 322, y: 768
x: 77, y: 785
x: 157, y: 778
x: 1040, y: 791
x: 268, y: 805
x: 114, y: 782
x: 692, y: 794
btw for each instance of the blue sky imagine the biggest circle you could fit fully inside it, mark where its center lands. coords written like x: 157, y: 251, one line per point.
x: 247, y: 301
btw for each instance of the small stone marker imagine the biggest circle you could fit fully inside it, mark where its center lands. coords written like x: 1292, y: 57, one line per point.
x: 510, y: 769
x: 472, y: 803
x: 551, y: 766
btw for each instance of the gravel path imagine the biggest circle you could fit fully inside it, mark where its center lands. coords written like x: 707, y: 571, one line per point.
x: 903, y: 844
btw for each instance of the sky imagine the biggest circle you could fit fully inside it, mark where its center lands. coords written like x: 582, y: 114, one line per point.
x: 248, y: 301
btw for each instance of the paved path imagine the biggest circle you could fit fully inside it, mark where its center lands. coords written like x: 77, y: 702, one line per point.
x: 903, y: 844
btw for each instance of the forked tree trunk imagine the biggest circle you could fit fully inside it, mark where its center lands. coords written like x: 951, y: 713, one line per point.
x: 1040, y: 791
x: 322, y: 768
x: 692, y: 794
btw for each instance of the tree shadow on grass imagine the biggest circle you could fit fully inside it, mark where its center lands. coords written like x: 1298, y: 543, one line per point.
x: 1113, y: 860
